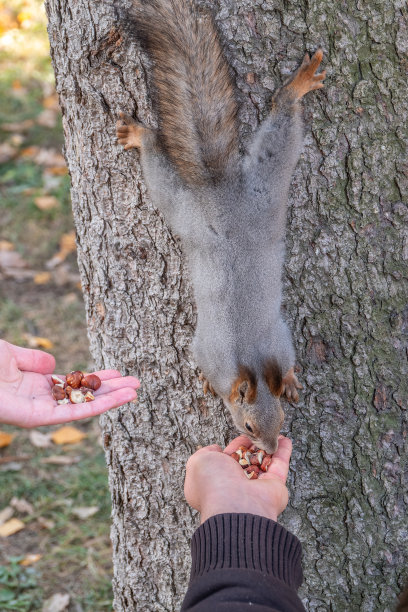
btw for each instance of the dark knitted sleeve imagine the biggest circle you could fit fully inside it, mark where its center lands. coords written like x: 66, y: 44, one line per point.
x: 244, y: 562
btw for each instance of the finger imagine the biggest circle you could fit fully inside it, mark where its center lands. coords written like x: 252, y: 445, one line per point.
x: 63, y: 413
x: 280, y: 460
x: 209, y: 449
x: 30, y: 360
x: 118, y: 383
x: 236, y: 443
x: 102, y: 374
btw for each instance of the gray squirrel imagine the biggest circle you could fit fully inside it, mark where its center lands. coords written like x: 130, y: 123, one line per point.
x: 228, y: 209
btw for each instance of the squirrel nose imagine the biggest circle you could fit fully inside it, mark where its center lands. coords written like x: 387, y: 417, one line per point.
x: 270, y: 448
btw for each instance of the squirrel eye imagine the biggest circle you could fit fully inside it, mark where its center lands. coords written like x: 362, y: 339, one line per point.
x: 249, y: 428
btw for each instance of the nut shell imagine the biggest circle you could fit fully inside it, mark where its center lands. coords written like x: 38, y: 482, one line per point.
x: 58, y: 393
x: 74, y: 379
x: 91, y: 381
x: 76, y: 396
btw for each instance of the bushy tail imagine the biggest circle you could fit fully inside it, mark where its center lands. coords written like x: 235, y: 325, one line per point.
x: 195, y: 94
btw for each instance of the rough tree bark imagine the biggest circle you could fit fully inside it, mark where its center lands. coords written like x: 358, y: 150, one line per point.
x: 346, y: 294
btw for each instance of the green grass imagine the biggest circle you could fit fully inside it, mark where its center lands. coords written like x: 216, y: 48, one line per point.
x: 76, y: 554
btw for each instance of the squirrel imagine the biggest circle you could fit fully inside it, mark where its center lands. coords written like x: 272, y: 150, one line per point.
x: 229, y: 209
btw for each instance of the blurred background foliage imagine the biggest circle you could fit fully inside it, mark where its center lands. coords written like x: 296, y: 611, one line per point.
x: 60, y: 558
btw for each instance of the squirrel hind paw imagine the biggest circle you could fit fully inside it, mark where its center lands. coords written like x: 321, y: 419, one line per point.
x: 129, y: 132
x: 305, y: 78
x: 290, y: 385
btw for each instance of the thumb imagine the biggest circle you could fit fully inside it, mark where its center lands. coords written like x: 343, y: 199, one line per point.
x: 9, y: 371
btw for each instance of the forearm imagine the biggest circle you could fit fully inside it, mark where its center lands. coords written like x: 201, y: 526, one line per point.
x: 244, y: 560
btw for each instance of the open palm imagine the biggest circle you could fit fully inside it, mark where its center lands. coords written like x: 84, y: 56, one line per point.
x: 25, y: 390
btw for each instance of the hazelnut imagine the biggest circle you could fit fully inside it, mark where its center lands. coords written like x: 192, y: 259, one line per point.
x: 253, y: 468
x: 243, y: 462
x: 63, y: 401
x: 92, y: 381
x: 76, y: 396
x: 251, y: 475
x: 74, y: 379
x: 266, y: 462
x: 254, y: 459
x: 89, y: 397
x: 58, y: 393
x: 56, y: 380
x: 235, y: 456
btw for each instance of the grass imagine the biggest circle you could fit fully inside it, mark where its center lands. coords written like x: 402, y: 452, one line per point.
x: 76, y: 553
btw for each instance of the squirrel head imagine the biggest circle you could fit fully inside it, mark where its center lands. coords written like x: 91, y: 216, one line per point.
x: 255, y: 406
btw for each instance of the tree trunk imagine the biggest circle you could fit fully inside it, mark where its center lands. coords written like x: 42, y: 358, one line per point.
x: 345, y: 294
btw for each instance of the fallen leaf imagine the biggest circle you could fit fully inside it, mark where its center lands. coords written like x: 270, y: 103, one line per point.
x: 67, y: 435
x: 6, y: 514
x: 30, y: 559
x: 22, y: 505
x: 57, y: 603
x: 45, y: 523
x: 18, y: 126
x: 16, y: 140
x: 10, y: 527
x: 5, y: 439
x: 51, y: 101
x: 85, y: 512
x: 38, y: 342
x: 13, y: 458
x: 5, y: 245
x: 42, y: 278
x: 57, y: 170
x: 30, y: 152
x: 47, y: 118
x: 60, y: 459
x: 13, y: 265
x: 46, y: 202
x: 39, y: 439
x: 67, y: 246
x: 7, y: 152
x: 12, y: 466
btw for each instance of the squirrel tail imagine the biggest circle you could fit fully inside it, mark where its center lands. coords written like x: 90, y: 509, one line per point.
x: 197, y: 110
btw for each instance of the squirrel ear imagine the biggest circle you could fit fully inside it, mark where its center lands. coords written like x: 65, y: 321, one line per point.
x: 273, y: 377
x: 244, y: 387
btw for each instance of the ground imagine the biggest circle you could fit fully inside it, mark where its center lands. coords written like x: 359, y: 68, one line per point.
x: 41, y: 305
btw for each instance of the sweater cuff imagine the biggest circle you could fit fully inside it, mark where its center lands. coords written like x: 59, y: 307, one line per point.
x: 246, y: 541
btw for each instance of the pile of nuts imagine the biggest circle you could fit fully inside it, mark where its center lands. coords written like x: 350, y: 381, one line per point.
x: 77, y: 387
x: 253, y: 460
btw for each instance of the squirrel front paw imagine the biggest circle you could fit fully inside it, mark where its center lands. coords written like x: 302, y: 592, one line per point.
x: 129, y: 132
x: 305, y: 79
x: 207, y: 386
x: 290, y: 385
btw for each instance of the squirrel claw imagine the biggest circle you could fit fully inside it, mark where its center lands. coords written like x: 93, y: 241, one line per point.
x: 129, y: 132
x: 290, y: 385
x: 305, y: 79
x: 207, y: 386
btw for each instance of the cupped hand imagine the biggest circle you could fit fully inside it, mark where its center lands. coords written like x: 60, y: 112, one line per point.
x: 216, y: 484
x: 25, y: 390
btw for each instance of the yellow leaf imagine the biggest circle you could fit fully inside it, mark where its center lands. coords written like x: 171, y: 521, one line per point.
x: 38, y: 342
x: 5, y: 245
x: 23, y: 16
x: 5, y: 439
x: 51, y: 102
x: 30, y: 559
x: 42, y: 278
x: 67, y: 242
x: 67, y: 435
x: 46, y: 202
x: 10, y: 527
x: 57, y: 170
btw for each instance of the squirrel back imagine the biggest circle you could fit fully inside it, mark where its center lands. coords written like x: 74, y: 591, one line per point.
x: 195, y: 95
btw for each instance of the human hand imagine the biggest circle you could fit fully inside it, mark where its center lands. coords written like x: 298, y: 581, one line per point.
x: 216, y: 484
x: 25, y: 390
